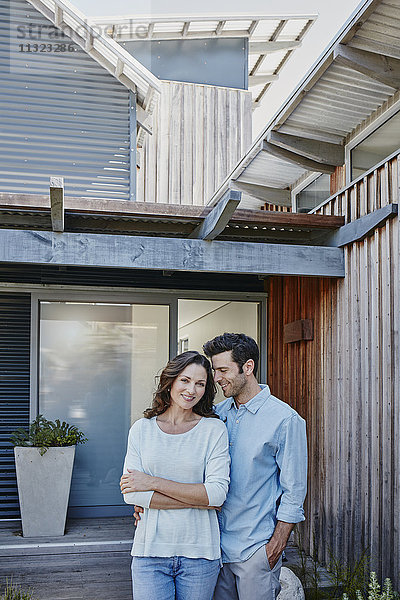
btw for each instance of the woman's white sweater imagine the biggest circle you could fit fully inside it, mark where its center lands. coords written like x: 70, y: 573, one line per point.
x: 200, y: 455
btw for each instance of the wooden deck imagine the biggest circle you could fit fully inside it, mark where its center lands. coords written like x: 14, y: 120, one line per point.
x: 90, y: 562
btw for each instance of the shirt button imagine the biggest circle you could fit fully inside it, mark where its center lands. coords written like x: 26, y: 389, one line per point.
x: 231, y: 443
x: 237, y: 420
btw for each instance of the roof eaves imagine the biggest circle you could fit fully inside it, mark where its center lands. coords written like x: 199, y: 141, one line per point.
x: 259, y: 150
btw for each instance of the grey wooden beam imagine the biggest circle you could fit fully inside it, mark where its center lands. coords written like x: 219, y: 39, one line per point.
x: 361, y: 228
x: 57, y: 203
x: 267, y: 47
x: 216, y: 220
x: 318, y: 151
x: 382, y: 68
x: 122, y: 251
x: 297, y: 159
x: 144, y: 120
x: 261, y: 79
x: 263, y: 192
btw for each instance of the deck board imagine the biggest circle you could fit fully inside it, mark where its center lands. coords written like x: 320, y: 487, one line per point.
x: 90, y: 562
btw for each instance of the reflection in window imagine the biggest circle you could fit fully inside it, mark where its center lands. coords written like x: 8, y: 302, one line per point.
x: 313, y: 194
x: 381, y: 143
x: 97, y: 368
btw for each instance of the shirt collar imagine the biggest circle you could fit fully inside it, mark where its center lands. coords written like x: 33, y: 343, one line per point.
x: 258, y: 400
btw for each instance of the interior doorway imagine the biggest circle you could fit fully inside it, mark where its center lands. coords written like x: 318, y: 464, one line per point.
x: 201, y: 320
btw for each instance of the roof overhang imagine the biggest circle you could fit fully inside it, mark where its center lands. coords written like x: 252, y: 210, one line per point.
x: 272, y: 38
x: 357, y: 74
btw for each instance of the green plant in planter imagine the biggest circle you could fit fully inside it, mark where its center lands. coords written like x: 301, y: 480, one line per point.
x: 45, y: 434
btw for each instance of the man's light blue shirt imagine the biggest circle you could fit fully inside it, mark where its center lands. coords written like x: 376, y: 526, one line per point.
x: 268, y: 448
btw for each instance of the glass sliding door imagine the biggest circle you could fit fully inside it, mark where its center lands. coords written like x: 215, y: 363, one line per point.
x: 97, y: 363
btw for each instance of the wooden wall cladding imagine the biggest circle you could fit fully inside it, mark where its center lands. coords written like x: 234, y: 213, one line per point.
x: 298, y: 330
x: 346, y: 384
x: 200, y: 132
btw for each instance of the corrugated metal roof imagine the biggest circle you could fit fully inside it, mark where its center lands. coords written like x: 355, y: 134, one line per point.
x: 338, y: 102
x: 381, y: 32
x: 332, y: 100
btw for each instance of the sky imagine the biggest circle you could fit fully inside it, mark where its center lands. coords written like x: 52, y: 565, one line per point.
x: 331, y: 17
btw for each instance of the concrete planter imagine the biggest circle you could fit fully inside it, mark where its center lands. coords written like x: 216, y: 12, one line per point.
x: 43, y: 488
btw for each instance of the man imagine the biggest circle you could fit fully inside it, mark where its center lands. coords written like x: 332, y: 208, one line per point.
x: 268, y: 448
x: 267, y: 442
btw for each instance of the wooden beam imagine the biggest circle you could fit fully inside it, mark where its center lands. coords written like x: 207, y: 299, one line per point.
x: 58, y: 16
x: 139, y: 252
x: 262, y: 79
x: 382, y: 68
x: 216, y: 220
x: 298, y: 331
x: 267, y: 47
x: 361, y: 228
x: 316, y: 150
x: 263, y: 192
x: 194, y: 214
x: 119, y: 68
x: 219, y: 28
x: 144, y: 119
x: 297, y: 159
x: 57, y: 203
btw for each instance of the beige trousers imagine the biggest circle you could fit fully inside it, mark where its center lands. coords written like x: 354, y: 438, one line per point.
x: 252, y: 579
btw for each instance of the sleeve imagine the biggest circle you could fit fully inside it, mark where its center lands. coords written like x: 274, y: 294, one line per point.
x: 216, y: 479
x: 291, y: 458
x: 133, y: 461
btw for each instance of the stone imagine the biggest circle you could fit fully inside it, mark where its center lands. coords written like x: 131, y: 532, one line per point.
x: 291, y: 586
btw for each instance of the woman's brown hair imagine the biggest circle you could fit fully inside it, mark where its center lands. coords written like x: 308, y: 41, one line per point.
x: 162, y: 397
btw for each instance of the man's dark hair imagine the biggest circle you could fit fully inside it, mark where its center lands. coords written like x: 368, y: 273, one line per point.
x: 242, y: 347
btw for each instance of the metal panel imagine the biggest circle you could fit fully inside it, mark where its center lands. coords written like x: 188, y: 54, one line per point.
x: 217, y: 62
x: 61, y: 113
x: 14, y: 390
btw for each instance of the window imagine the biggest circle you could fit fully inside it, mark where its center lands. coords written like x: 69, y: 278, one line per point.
x: 313, y: 194
x: 374, y: 148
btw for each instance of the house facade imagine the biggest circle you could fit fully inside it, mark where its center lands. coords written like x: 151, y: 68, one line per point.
x: 171, y: 226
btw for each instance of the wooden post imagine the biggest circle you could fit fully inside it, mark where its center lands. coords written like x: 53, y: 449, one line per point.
x: 57, y: 203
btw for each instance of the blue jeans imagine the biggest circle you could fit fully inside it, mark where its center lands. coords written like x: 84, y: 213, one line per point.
x: 174, y: 578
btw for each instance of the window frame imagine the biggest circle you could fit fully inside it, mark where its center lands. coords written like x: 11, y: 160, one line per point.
x: 363, y: 135
x: 310, y: 178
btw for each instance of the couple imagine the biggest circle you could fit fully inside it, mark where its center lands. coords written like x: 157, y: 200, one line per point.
x: 178, y: 458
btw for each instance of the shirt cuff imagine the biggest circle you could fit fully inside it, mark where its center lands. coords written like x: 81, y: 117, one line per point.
x: 142, y: 499
x: 216, y: 494
x: 290, y: 516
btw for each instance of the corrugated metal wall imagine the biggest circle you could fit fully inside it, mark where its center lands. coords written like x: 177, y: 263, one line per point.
x: 60, y: 112
x: 346, y: 384
x: 15, y: 319
x: 199, y: 134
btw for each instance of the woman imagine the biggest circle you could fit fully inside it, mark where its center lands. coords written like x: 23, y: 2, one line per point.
x: 178, y: 458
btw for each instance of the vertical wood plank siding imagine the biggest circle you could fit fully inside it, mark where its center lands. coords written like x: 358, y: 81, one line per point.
x: 199, y: 133
x: 346, y: 384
